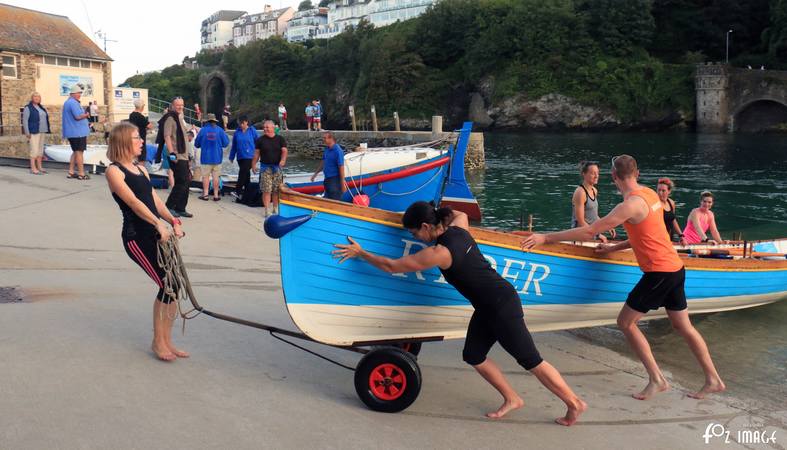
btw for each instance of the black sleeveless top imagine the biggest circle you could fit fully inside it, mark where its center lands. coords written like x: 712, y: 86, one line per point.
x: 471, y: 274
x: 139, y: 184
x: 669, y: 216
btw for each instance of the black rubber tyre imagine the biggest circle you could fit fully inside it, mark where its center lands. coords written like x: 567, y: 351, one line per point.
x: 388, y: 379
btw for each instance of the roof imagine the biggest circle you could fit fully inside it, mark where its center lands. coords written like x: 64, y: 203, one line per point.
x: 261, y: 17
x: 225, y: 16
x: 28, y: 31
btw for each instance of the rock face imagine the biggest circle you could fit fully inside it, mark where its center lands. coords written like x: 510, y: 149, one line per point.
x: 477, y: 112
x: 551, y: 111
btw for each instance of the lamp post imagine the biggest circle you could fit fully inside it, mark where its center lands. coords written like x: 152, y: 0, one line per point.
x: 728, y: 47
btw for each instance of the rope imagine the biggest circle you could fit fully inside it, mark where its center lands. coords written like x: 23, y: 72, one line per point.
x: 176, y: 281
x: 401, y: 194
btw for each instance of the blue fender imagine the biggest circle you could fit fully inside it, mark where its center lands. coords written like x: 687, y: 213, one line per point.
x: 277, y: 226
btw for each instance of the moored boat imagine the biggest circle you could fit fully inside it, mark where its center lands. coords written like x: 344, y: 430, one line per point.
x: 561, y: 286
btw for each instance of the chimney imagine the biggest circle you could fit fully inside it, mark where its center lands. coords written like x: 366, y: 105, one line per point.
x: 267, y: 8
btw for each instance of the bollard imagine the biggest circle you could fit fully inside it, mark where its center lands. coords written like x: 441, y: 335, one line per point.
x: 352, y: 117
x: 396, y: 122
x: 437, y: 126
x: 374, y: 119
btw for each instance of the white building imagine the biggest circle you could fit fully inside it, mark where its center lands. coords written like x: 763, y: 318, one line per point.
x: 216, y: 30
x: 252, y: 27
x: 304, y: 24
x: 349, y: 13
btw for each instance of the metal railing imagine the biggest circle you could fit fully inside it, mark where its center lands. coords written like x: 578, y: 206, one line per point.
x: 158, y: 106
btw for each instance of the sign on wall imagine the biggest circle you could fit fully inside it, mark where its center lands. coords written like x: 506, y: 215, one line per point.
x: 123, y: 102
x: 68, y: 81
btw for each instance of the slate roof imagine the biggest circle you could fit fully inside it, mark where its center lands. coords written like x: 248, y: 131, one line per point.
x: 28, y: 31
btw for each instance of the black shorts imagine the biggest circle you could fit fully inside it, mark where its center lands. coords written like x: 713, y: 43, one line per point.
x: 657, y: 289
x: 504, y: 324
x: 78, y: 144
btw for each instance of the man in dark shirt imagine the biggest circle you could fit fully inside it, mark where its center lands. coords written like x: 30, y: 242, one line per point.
x: 271, y: 152
x: 142, y: 123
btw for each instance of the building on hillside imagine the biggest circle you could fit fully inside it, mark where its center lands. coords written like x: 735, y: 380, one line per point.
x: 48, y: 54
x: 216, y: 30
x: 254, y: 27
x: 349, y: 13
x: 190, y: 62
x: 304, y: 24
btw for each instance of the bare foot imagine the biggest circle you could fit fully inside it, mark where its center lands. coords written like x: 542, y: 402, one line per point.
x: 508, y: 405
x: 178, y: 352
x: 163, y: 353
x: 653, y: 388
x: 572, y: 414
x: 710, y: 387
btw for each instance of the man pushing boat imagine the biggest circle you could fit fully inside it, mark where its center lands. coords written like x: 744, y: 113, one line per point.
x: 662, y: 283
x: 498, y: 315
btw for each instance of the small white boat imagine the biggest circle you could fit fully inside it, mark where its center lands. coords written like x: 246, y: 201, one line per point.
x: 95, y: 155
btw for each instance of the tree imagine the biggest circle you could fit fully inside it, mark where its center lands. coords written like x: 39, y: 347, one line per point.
x: 305, y: 5
x: 325, y: 3
x: 619, y: 27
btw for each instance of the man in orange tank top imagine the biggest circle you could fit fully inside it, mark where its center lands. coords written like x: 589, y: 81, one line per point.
x: 662, y: 281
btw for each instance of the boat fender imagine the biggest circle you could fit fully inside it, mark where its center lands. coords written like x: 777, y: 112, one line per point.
x: 361, y: 200
x: 277, y: 226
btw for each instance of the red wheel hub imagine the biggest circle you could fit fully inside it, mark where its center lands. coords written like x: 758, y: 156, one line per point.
x: 387, y: 382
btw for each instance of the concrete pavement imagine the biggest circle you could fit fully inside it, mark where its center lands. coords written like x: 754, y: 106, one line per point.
x: 76, y: 370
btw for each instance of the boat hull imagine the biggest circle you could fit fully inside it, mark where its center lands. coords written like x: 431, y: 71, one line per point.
x: 354, y: 303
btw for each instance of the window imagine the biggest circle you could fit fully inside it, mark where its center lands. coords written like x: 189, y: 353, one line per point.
x: 73, y: 62
x: 50, y: 60
x: 9, y: 66
x: 84, y: 64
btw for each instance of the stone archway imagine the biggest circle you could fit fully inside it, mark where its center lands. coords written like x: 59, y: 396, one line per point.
x: 758, y: 115
x: 215, y: 92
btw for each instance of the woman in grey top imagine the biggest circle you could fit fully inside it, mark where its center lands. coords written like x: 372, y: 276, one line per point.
x: 35, y: 124
x: 585, y: 199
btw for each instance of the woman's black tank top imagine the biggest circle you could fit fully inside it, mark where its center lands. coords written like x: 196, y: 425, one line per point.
x: 139, y: 184
x: 471, y: 274
x: 669, y: 216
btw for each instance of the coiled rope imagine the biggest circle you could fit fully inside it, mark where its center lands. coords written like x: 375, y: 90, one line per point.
x: 176, y: 281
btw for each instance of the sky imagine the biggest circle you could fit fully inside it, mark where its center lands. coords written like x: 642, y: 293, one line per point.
x: 150, y: 34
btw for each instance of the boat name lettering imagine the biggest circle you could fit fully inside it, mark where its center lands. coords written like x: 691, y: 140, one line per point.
x: 512, y: 271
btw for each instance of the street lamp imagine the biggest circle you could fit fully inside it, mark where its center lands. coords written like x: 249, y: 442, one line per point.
x: 728, y: 47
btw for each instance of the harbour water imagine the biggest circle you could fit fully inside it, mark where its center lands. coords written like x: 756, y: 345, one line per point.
x: 535, y: 173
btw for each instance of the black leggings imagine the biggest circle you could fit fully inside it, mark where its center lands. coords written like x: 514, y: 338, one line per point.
x: 144, y: 252
x: 505, y: 324
x: 244, y: 167
x: 179, y: 195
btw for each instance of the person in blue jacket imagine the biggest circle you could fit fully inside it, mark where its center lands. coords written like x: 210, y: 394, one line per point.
x: 211, y: 140
x: 243, y: 148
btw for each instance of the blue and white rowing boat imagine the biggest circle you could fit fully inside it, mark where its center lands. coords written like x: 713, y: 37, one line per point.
x: 395, y: 178
x: 561, y: 286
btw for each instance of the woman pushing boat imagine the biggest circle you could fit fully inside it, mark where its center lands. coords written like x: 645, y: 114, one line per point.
x: 498, y: 315
x: 142, y: 211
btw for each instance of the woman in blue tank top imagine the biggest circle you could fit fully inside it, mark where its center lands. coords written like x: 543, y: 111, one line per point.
x: 498, y: 315
x: 142, y: 212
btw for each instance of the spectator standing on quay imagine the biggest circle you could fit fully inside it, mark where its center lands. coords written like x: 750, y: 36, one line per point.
x: 76, y: 130
x: 174, y: 136
x: 317, y: 113
x: 35, y: 124
x: 332, y: 165
x: 243, y: 148
x: 143, y: 125
x: 271, y: 152
x: 282, y: 116
x: 211, y: 141
x: 93, y: 110
x: 309, y: 111
x: 225, y: 117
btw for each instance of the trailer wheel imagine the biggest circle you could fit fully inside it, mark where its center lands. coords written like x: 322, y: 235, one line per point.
x: 388, y: 379
x: 413, y: 348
